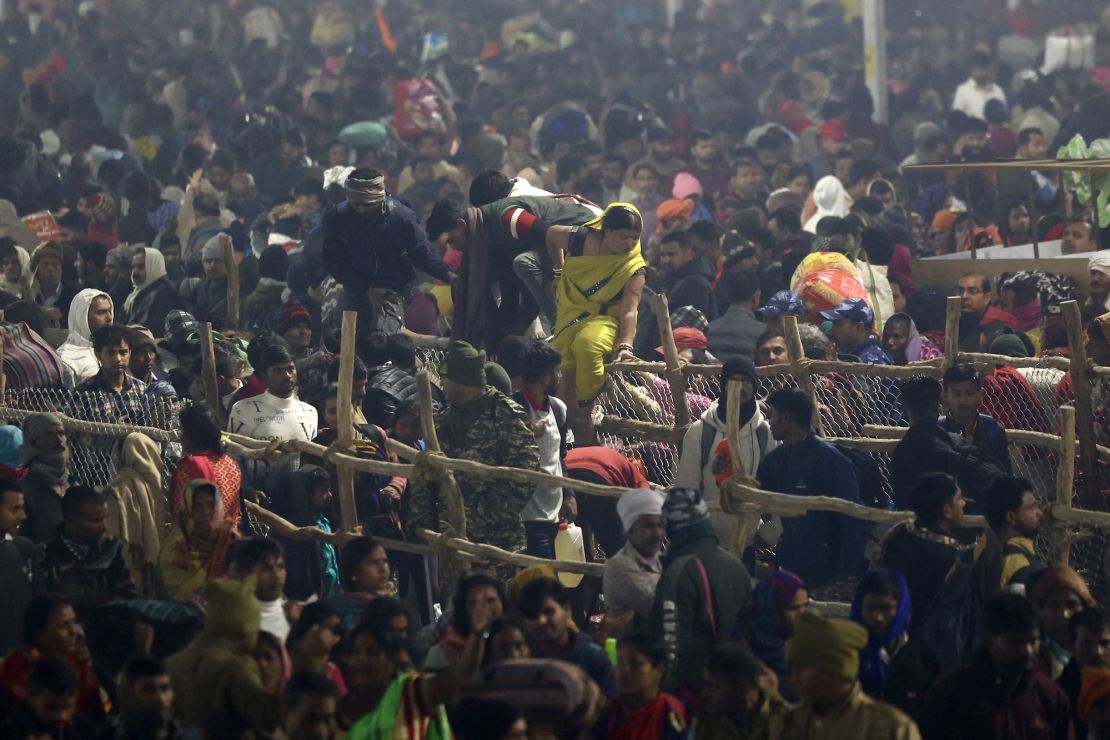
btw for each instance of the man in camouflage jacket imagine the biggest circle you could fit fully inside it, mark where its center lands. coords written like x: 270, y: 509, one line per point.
x: 484, y: 425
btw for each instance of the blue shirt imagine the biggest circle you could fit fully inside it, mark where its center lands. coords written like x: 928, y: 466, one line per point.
x: 871, y: 353
x: 381, y: 252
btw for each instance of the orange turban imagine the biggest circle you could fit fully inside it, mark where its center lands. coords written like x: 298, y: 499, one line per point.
x: 944, y: 220
x: 674, y: 208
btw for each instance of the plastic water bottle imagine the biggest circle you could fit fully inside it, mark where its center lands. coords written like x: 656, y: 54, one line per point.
x: 568, y: 546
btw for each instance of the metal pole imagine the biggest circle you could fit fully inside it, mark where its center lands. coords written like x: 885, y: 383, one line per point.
x: 874, y: 55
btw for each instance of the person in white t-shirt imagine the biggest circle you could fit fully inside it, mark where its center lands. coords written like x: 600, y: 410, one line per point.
x: 974, y: 92
x: 276, y: 414
x: 264, y: 559
x: 547, y: 415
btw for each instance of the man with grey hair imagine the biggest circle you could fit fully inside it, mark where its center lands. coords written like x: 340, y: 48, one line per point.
x: 631, y: 575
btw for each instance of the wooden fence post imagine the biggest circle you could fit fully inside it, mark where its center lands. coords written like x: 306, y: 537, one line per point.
x: 348, y: 510
x: 951, y: 331
x: 1065, y: 477
x: 746, y: 514
x: 228, y: 252
x: 805, y: 377
x: 1089, y: 496
x: 450, y: 498
x: 675, y: 378
x: 208, y: 370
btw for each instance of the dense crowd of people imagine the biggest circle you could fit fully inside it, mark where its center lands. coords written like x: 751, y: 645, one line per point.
x: 521, y: 184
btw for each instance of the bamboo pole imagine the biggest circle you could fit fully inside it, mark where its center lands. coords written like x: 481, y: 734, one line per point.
x: 512, y: 558
x: 1065, y: 477
x: 802, y: 369
x: 951, y: 331
x: 450, y: 497
x: 208, y: 373
x: 1024, y: 436
x: 1088, y: 491
x: 647, y: 430
x: 675, y: 378
x: 228, y: 252
x: 746, y: 514
x: 348, y: 509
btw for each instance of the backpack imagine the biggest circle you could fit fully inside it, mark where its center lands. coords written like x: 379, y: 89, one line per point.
x: 870, y: 477
x: 707, y: 443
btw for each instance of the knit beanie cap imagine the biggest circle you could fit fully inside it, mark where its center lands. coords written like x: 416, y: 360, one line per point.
x: 466, y: 365
x: 830, y: 645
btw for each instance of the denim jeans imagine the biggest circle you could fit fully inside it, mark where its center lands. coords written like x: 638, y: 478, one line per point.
x: 540, y: 537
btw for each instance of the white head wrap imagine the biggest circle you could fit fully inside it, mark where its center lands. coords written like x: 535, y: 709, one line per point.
x: 1099, y: 262
x: 637, y: 502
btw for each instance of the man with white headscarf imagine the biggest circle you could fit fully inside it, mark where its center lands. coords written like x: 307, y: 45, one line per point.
x: 152, y: 295
x: 1098, y: 302
x: 631, y: 575
x: 373, y: 245
x: 89, y: 310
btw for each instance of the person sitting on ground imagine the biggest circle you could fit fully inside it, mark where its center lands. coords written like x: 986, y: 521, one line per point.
x: 218, y: 686
x: 735, y: 702
x: 146, y: 703
x: 477, y: 590
x: 631, y: 575
x: 365, y: 575
x: 311, y: 640
x: 311, y: 707
x: 767, y: 624
x: 50, y: 705
x: 50, y: 629
x: 824, y: 656
x: 924, y: 550
x: 82, y: 563
x: 204, y: 457
x: 701, y: 591
x: 263, y: 559
x: 641, y: 709
x: 545, y: 604
x: 196, y: 548
x: 1002, y: 689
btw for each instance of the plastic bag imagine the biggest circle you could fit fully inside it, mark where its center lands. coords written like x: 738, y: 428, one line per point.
x: 1068, y: 49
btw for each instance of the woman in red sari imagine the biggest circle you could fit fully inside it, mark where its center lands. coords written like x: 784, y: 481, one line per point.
x: 641, y: 711
x: 204, y: 458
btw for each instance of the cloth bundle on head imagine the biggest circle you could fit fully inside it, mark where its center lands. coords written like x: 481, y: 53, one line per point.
x: 180, y: 327
x: 47, y: 250
x: 364, y: 191
x: 674, y: 208
x: 686, y: 337
x: 637, y: 502
x: 1058, y: 578
x: 212, y: 249
x: 233, y: 610
x: 691, y: 317
x: 466, y: 365
x: 1096, y: 688
x: 829, y: 645
x: 101, y: 207
x: 1099, y: 262
x: 291, y: 315
x: 685, y: 185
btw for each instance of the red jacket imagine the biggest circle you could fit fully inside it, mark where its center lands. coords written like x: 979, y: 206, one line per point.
x: 608, y: 464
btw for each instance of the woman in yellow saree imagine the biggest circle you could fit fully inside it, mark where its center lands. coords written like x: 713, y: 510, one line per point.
x: 600, y: 274
x: 196, y: 547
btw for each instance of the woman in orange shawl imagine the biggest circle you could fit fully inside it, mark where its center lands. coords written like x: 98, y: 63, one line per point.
x: 196, y: 548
